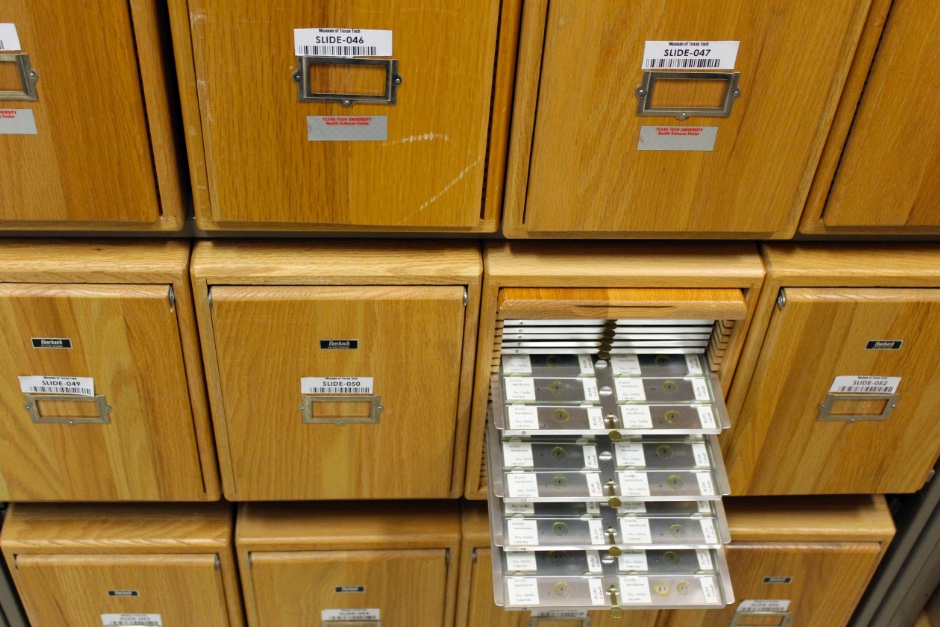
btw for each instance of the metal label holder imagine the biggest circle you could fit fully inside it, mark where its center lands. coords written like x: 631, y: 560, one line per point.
x: 101, y: 403
x: 28, y: 78
x: 304, y: 93
x: 644, y: 92
x: 825, y: 408
x: 375, y: 411
x: 785, y: 617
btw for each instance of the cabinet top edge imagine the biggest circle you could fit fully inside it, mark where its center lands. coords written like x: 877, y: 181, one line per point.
x: 79, y: 260
x: 854, y: 262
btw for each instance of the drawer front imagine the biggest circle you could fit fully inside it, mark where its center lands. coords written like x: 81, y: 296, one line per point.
x: 396, y: 441
x: 89, y: 159
x: 134, y: 439
x: 427, y: 174
x: 401, y: 588
x: 783, y: 444
x: 150, y: 590
x: 592, y: 63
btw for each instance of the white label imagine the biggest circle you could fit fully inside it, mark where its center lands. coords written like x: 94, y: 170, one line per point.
x: 634, y: 590
x: 594, y: 562
x: 347, y: 128
x: 707, y: 417
x: 700, y: 388
x: 123, y: 620
x: 517, y: 454
x: 18, y: 122
x: 352, y: 614
x: 636, y: 417
x: 75, y: 386
x: 517, y: 364
x: 590, y: 390
x: 690, y: 55
x: 593, y: 508
x: 630, y: 389
x: 709, y: 589
x: 705, y: 485
x: 519, y: 508
x: 625, y: 365
x: 526, y: 418
x: 522, y: 591
x: 635, y: 531
x: 632, y: 507
x: 764, y: 605
x: 336, y: 385
x: 590, y: 456
x: 559, y: 613
x: 708, y: 531
x: 586, y: 364
x: 9, y: 40
x: 521, y: 562
x: 678, y: 138
x: 596, y: 529
x: 342, y: 42
x: 595, y: 418
x: 704, y: 559
x: 633, y: 560
x: 597, y: 592
x: 630, y: 454
x: 704, y: 507
x: 522, y: 485
x: 700, y: 453
x: 522, y: 532
x: 520, y: 389
x: 694, y: 364
x: 865, y: 385
x: 594, y: 484
x: 634, y: 484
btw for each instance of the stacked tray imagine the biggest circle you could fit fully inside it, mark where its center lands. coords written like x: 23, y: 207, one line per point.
x: 606, y: 480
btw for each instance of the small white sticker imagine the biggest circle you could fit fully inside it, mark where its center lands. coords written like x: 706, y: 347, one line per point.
x: 347, y: 128
x: 135, y: 620
x: 634, y: 590
x: 522, y: 532
x: 630, y: 454
x: 707, y: 417
x: 517, y: 454
x: 865, y: 385
x: 677, y: 138
x: 704, y: 559
x: 559, y: 613
x: 700, y: 388
x: 586, y: 364
x: 522, y: 485
x: 634, y: 484
x: 520, y: 388
x: 636, y: 531
x: 705, y: 485
x: 517, y: 364
x: 764, y: 605
x: 593, y: 508
x: 351, y: 614
x: 342, y: 42
x: 597, y: 591
x: 521, y: 562
x: 632, y: 507
x: 74, y: 386
x: 590, y: 456
x: 694, y: 364
x: 708, y: 531
x: 595, y: 418
x: 709, y: 589
x: 519, y: 508
x: 704, y: 507
x: 18, y: 122
x: 9, y: 39
x: 700, y: 453
x: 526, y: 418
x: 594, y: 484
x: 636, y: 417
x: 633, y: 561
x: 590, y: 390
x: 336, y: 385
x: 594, y: 562
x: 523, y: 591
x: 625, y: 365
x: 630, y: 389
x: 690, y: 55
x: 596, y: 529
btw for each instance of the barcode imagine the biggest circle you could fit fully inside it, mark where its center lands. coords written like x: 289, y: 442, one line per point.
x: 334, y: 391
x: 51, y: 389
x: 866, y: 389
x: 657, y: 64
x: 337, y: 51
x: 135, y: 623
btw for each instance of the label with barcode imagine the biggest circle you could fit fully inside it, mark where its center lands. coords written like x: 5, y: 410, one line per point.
x: 707, y: 417
x: 74, y: 386
x: 709, y: 590
x: 522, y: 591
x: 635, y: 590
x: 522, y: 485
x: 636, y: 417
x: 525, y: 418
x: 521, y: 562
x: 865, y: 385
x: 690, y: 55
x: 633, y: 560
x: 704, y: 559
x: 131, y: 620
x: 522, y: 532
x: 559, y: 613
x: 342, y: 42
x: 634, y: 484
x: 708, y: 531
x: 635, y: 530
x: 336, y: 385
x: 9, y: 40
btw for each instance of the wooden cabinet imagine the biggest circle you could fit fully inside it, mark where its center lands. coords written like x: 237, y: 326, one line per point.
x: 101, y: 383
x: 390, y: 328
x: 141, y: 564
x: 814, y: 557
x: 306, y: 563
x: 571, y: 280
x: 262, y: 156
x: 95, y: 146
x: 844, y: 355
x: 583, y: 161
x: 878, y: 171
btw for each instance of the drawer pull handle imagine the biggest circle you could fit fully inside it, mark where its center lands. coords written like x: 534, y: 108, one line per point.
x: 28, y: 78
x: 101, y: 404
x: 785, y: 617
x: 375, y: 409
x: 645, y: 91
x: 825, y: 408
x: 304, y: 94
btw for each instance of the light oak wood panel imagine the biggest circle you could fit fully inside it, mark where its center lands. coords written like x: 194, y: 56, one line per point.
x: 126, y: 337
x: 294, y: 588
x: 692, y: 304
x: 778, y: 445
x: 410, y: 341
x: 577, y: 115
x: 261, y: 168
